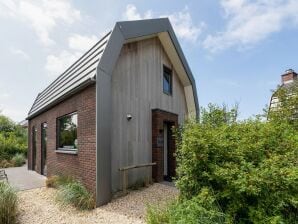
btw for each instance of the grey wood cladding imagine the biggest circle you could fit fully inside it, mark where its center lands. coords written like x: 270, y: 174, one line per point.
x: 137, y: 89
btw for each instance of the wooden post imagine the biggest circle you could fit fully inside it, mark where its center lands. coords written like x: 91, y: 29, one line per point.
x: 124, y: 172
x: 147, y: 181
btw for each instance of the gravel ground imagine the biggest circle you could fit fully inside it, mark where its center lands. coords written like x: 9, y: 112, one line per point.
x: 39, y: 207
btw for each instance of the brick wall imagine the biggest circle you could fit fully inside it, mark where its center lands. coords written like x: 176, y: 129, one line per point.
x: 83, y: 165
x: 289, y: 76
x: 159, y: 117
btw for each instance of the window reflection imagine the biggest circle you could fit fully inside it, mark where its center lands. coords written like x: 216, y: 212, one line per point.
x: 67, y: 132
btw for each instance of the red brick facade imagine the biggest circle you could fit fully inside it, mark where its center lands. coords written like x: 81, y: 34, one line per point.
x: 159, y: 118
x: 83, y: 165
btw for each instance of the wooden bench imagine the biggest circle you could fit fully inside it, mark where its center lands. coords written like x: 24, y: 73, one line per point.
x: 124, y: 172
x: 3, y: 175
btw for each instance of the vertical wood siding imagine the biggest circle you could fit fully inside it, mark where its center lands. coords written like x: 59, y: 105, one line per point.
x: 137, y: 88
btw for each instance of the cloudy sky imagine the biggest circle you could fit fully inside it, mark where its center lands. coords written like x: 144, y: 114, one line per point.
x: 237, y: 49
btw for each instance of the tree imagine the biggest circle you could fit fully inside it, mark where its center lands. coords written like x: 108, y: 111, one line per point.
x: 286, y: 109
x: 250, y: 166
x: 13, y: 138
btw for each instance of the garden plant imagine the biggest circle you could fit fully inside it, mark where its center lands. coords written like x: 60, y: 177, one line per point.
x: 231, y: 171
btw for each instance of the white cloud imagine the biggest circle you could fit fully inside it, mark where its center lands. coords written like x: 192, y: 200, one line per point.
x: 78, y: 45
x: 184, y: 26
x: 56, y: 64
x: 19, y: 52
x: 15, y: 113
x: 42, y: 16
x: 182, y: 22
x: 249, y: 22
x: 131, y: 13
x: 4, y: 96
x: 81, y: 43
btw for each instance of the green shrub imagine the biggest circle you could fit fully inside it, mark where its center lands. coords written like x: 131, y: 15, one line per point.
x: 287, y: 110
x: 18, y: 159
x: 76, y: 194
x: 8, y: 204
x: 71, y: 191
x: 201, y: 209
x: 251, y: 166
x: 157, y: 214
x: 13, y: 139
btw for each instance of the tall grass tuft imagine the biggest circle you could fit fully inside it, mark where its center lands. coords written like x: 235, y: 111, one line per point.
x: 58, y: 180
x: 201, y: 209
x: 8, y: 204
x: 18, y: 159
x: 76, y: 194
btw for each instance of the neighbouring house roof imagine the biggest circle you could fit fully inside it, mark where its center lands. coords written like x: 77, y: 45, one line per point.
x: 23, y: 123
x: 84, y: 71
x: 288, y: 86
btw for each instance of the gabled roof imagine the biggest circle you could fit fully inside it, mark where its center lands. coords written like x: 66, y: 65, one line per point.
x: 103, y: 56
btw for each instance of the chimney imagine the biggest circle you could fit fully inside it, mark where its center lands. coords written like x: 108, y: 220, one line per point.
x: 289, y: 76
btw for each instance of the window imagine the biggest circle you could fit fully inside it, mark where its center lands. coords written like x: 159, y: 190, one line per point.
x: 67, y: 132
x: 167, y: 80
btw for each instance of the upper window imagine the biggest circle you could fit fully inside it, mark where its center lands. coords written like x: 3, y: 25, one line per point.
x: 167, y: 80
x: 67, y: 132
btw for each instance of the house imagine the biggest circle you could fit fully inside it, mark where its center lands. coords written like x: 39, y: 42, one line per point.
x: 115, y: 107
x: 23, y: 124
x: 288, y: 81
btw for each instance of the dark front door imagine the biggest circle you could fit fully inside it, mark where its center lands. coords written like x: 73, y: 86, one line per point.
x: 163, y: 145
x: 44, y: 149
x: 33, y: 148
x: 168, y: 152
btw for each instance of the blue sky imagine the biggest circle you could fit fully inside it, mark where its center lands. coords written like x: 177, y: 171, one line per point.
x: 237, y: 49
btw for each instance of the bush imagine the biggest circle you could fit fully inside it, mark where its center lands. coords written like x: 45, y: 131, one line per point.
x: 5, y: 164
x: 201, y: 209
x: 13, y: 139
x: 287, y: 110
x: 10, y: 145
x: 18, y: 159
x: 58, y: 180
x: 251, y: 166
x: 8, y: 204
x: 71, y: 191
x: 76, y: 194
x: 51, y: 182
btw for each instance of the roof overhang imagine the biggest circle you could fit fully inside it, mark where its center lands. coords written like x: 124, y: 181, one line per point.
x: 162, y: 28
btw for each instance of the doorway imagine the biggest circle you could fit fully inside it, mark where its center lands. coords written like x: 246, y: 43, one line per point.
x: 44, y: 149
x: 165, y: 150
x: 33, y: 166
x: 168, y: 158
x: 163, y: 145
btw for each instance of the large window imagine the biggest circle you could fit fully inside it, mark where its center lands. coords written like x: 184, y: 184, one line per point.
x: 167, y: 80
x: 67, y: 132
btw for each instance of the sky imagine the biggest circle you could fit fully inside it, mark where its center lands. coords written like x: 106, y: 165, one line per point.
x: 236, y: 49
